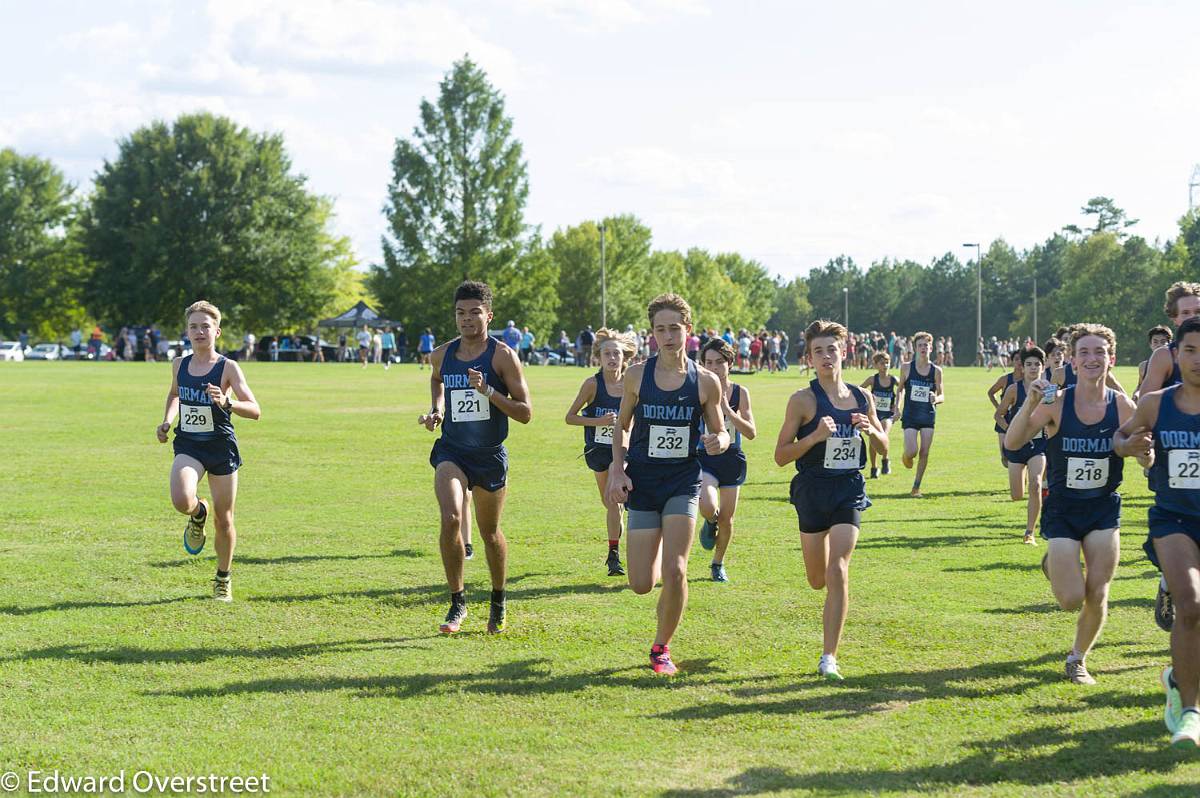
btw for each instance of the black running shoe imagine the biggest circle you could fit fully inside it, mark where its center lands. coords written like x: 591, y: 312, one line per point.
x: 496, y: 618
x: 470, y: 551
x: 874, y: 473
x: 887, y: 466
x: 1164, y: 608
x: 614, y: 563
x: 454, y: 618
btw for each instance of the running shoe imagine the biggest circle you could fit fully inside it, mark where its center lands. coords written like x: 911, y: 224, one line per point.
x: 1029, y: 539
x: 1174, y: 706
x: 907, y: 459
x: 827, y: 668
x: 497, y: 616
x: 454, y: 618
x: 887, y: 467
x: 614, y: 563
x: 1187, y: 734
x: 708, y: 534
x: 660, y: 660
x: 470, y: 551
x: 1077, y: 672
x: 1164, y: 608
x: 874, y: 473
x: 193, y: 533
x: 718, y: 572
x: 916, y: 493
x: 223, y: 589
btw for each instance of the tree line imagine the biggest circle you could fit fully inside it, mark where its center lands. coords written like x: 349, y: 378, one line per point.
x: 203, y: 207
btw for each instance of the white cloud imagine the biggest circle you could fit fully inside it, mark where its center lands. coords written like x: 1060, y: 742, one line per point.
x: 663, y: 170
x: 609, y: 16
x: 115, y: 38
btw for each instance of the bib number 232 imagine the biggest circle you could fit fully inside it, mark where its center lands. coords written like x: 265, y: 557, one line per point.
x: 669, y: 441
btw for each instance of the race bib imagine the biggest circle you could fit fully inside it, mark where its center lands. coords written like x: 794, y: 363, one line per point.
x: 469, y: 404
x: 1183, y: 466
x: 883, y: 404
x: 196, y: 418
x: 919, y: 393
x: 1085, y: 473
x: 604, y: 434
x: 672, y: 442
x: 842, y: 453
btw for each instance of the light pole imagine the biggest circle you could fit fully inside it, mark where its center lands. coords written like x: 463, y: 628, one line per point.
x: 846, y: 307
x: 1035, y: 334
x: 603, y: 282
x: 978, y: 294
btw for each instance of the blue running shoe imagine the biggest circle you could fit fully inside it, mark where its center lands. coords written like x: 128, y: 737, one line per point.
x: 708, y: 534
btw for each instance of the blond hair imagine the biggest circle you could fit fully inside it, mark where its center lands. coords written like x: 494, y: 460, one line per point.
x: 205, y: 307
x: 1177, y: 292
x: 670, y: 301
x: 1099, y: 330
x: 625, y: 340
x: 824, y: 328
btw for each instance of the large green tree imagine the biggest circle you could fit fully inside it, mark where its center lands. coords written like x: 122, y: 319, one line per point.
x: 41, y: 270
x: 630, y: 280
x: 205, y: 209
x: 455, y: 203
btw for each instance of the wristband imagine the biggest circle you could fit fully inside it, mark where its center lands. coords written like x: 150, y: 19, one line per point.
x: 228, y: 406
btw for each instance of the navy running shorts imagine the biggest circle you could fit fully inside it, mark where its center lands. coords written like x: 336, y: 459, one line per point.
x: 1074, y: 518
x: 598, y: 458
x: 824, y: 502
x: 655, y: 485
x: 486, y: 469
x: 219, y: 456
x: 1167, y: 522
x: 728, y: 468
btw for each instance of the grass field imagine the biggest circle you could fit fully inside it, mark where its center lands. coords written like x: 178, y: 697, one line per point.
x: 327, y: 672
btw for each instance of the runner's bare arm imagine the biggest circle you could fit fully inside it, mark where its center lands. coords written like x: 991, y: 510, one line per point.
x: 1031, y: 417
x: 1126, y: 407
x: 997, y: 386
x: 245, y: 405
x: 172, y: 407
x: 743, y: 419
x: 800, y: 409
x: 1158, y: 371
x: 716, y: 438
x: 516, y: 405
x: 437, y: 391
x: 587, y: 392
x: 1135, y: 437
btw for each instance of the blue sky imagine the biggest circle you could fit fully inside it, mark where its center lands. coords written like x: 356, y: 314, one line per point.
x: 790, y: 132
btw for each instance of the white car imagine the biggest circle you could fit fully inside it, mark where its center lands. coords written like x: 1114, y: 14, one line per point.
x: 11, y: 350
x: 47, y: 352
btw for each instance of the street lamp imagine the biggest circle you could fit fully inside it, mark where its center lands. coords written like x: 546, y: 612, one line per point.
x: 846, y: 307
x: 978, y: 293
x: 603, y: 282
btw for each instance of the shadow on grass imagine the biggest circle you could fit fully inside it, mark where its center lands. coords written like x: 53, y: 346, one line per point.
x: 437, y: 593
x: 1003, y: 565
x: 292, y: 559
x: 529, y: 677
x: 881, y: 692
x: 1115, y: 751
x: 125, y: 655
x: 1145, y: 603
x: 87, y: 605
x: 892, y: 541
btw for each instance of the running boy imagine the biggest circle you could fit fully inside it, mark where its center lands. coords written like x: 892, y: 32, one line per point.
x: 476, y: 386
x: 921, y: 389
x: 600, y: 399
x: 1026, y: 458
x: 658, y: 478
x: 721, y: 476
x: 883, y: 391
x: 207, y: 391
x: 822, y: 434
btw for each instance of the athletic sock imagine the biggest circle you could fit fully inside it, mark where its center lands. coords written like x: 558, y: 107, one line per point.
x: 1171, y: 681
x: 497, y: 596
x: 917, y: 485
x: 458, y: 598
x: 1191, y: 709
x: 1073, y: 657
x: 222, y: 574
x: 614, y: 544
x: 201, y: 511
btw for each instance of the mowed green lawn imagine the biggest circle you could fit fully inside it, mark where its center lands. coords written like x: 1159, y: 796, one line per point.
x: 327, y: 672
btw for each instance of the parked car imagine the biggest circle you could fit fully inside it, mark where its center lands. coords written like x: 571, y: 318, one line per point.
x: 550, y: 357
x: 105, y: 353
x: 12, y: 351
x: 262, y: 350
x: 48, y: 352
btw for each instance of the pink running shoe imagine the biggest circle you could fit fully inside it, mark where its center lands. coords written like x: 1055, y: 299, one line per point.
x: 660, y: 660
